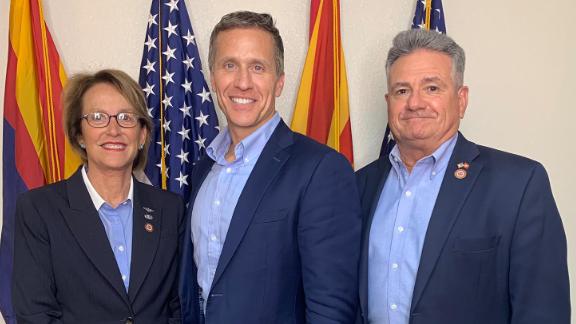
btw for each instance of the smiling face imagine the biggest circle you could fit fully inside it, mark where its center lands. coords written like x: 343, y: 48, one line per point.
x: 424, y: 106
x: 111, y: 148
x: 245, y: 79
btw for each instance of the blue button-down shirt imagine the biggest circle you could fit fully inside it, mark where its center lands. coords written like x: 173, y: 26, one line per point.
x: 217, y: 198
x: 397, y: 233
x: 118, y: 226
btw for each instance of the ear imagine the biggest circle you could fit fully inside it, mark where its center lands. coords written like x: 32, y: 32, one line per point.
x: 279, y: 85
x: 143, y: 136
x: 462, y: 100
x: 80, y: 140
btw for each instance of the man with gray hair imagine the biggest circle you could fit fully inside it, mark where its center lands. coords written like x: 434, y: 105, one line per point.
x: 273, y: 232
x: 454, y: 232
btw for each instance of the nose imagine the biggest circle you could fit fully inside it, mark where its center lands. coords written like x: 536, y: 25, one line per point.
x: 243, y: 79
x: 415, y: 101
x: 113, y: 127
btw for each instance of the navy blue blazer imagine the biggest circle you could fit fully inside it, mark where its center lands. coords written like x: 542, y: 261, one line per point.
x: 64, y: 267
x: 495, y: 248
x: 293, y: 245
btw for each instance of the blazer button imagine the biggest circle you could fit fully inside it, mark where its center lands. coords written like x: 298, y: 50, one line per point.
x: 129, y: 320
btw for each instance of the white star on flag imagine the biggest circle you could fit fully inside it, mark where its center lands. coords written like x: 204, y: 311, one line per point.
x: 149, y: 67
x: 186, y: 110
x: 183, y: 156
x: 187, y: 85
x: 152, y: 20
x: 182, y: 179
x: 171, y: 29
x: 184, y: 133
x: 200, y: 141
x: 205, y: 95
x: 150, y: 43
x: 149, y: 89
x: 167, y: 125
x: 189, y: 62
x: 189, y: 39
x: 167, y: 101
x: 173, y: 4
x: 202, y: 119
x: 169, y: 53
x: 159, y: 165
x: 168, y: 77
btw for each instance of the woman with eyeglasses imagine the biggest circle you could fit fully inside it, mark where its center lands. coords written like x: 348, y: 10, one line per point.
x: 99, y: 247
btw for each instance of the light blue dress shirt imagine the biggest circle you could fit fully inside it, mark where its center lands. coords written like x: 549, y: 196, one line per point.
x: 216, y: 200
x: 398, y: 230
x: 118, y: 226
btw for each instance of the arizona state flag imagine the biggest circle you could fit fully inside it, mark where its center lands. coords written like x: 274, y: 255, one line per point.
x: 35, y: 149
x: 322, y: 105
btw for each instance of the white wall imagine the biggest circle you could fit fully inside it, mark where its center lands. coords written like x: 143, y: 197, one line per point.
x: 521, y: 67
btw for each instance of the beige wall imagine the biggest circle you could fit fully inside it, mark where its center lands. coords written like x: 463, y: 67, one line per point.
x: 521, y: 67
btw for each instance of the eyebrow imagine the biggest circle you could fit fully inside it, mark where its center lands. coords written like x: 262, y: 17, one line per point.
x: 431, y: 79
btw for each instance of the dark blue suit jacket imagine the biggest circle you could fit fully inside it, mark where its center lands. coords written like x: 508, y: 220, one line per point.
x: 292, y: 248
x: 495, y: 249
x: 65, y: 270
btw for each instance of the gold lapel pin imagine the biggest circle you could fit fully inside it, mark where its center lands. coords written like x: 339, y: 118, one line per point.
x: 149, y: 227
x: 462, y: 170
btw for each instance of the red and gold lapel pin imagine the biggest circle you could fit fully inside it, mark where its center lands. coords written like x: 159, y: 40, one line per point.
x: 462, y: 170
x: 149, y: 227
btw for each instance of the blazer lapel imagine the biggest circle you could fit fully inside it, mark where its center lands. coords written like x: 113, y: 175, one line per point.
x: 371, y: 193
x: 85, y: 224
x: 269, y: 163
x: 451, y: 197
x: 147, y: 222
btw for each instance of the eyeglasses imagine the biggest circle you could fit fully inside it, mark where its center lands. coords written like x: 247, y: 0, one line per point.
x: 101, y: 119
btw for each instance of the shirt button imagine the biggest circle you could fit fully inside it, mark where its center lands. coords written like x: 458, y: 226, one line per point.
x: 393, y: 307
x: 213, y: 237
x: 124, y: 277
x: 408, y: 193
x: 394, y: 266
x: 217, y: 202
x: 246, y: 160
x: 121, y: 248
x: 228, y: 170
x: 400, y: 229
x: 433, y: 173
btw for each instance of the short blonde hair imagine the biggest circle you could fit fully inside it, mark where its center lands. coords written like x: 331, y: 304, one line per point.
x: 74, y: 92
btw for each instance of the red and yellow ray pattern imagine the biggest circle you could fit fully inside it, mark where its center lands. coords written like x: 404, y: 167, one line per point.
x: 35, y: 151
x: 321, y: 110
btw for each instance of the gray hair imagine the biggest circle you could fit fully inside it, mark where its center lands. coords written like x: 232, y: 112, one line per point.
x: 408, y: 41
x: 249, y: 19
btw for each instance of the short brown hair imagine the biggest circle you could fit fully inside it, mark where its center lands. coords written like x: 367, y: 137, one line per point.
x: 74, y: 92
x: 249, y: 19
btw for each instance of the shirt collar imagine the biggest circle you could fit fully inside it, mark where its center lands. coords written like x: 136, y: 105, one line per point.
x: 248, y: 150
x: 440, y: 157
x: 97, y: 200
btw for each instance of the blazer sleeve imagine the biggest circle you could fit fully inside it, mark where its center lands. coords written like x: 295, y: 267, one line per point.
x: 539, y: 288
x: 329, y: 242
x: 33, y: 288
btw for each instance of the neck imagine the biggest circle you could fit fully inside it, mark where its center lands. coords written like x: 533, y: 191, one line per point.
x: 113, y: 185
x: 411, y: 155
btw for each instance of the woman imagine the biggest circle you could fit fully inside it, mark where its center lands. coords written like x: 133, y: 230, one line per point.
x: 99, y: 247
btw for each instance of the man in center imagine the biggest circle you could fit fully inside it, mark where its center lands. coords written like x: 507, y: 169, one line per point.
x: 273, y: 232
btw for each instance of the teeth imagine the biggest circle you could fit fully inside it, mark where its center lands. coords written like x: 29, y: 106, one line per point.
x: 242, y: 101
x: 114, y: 146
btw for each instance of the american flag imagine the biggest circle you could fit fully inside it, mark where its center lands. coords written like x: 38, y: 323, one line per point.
x: 429, y: 15
x: 434, y: 20
x: 177, y: 96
